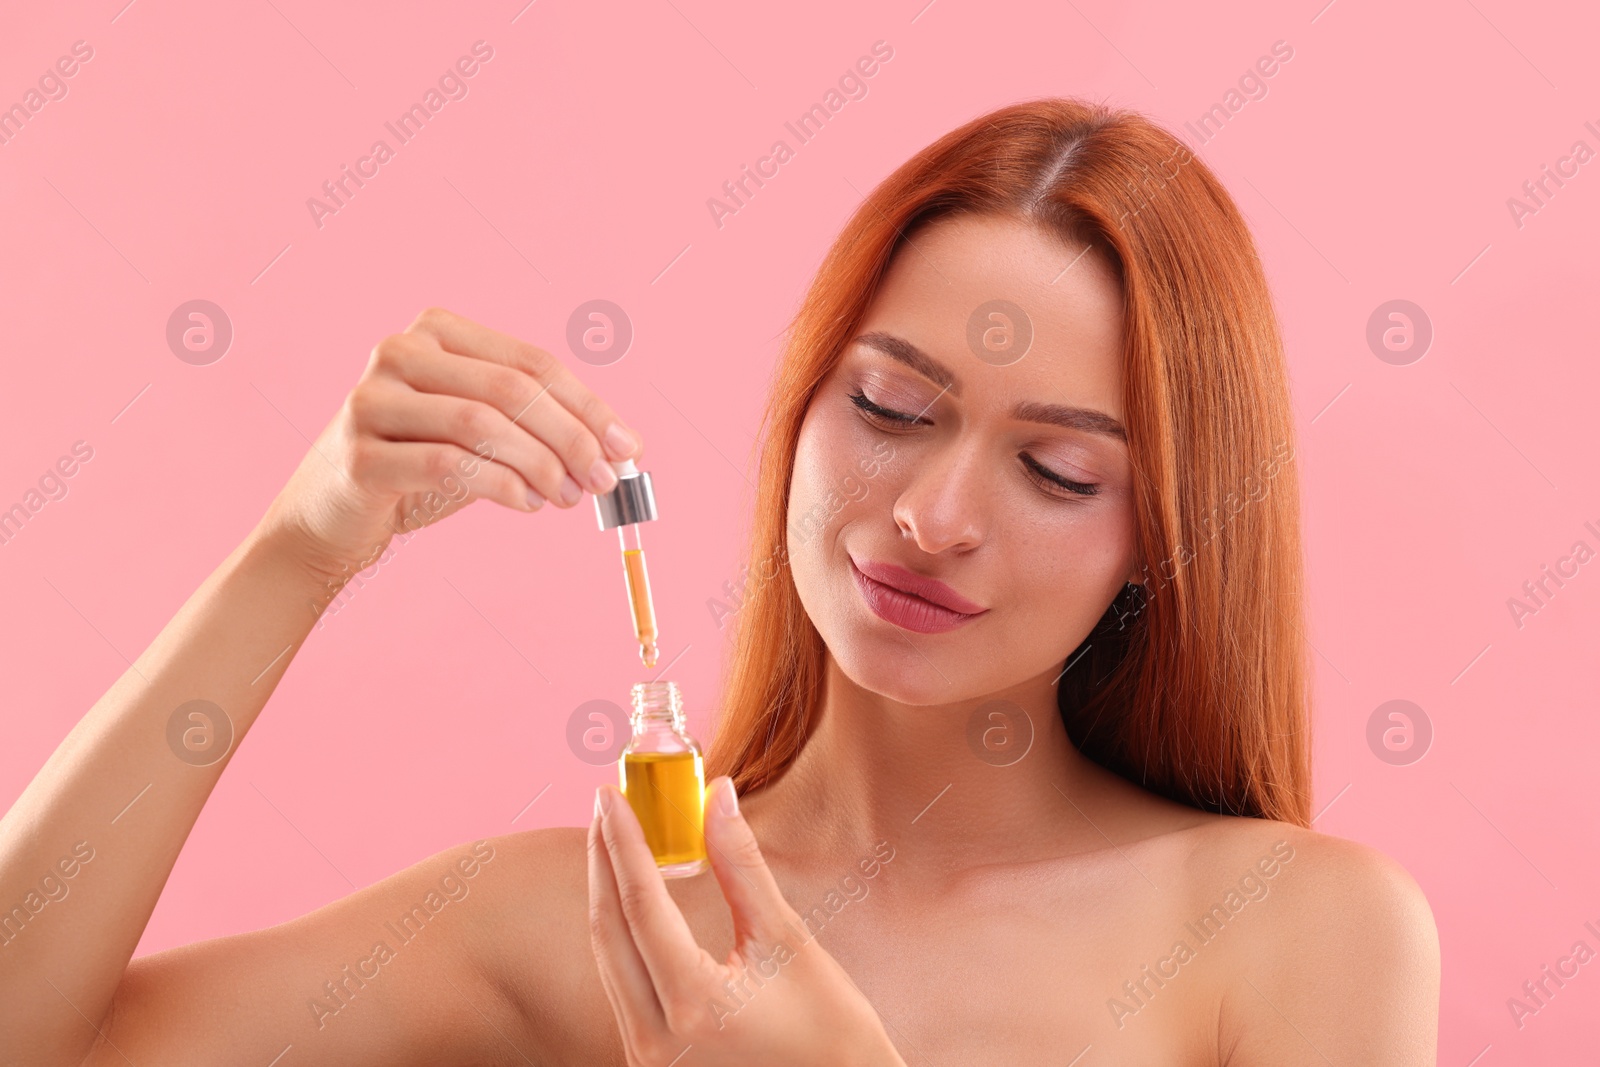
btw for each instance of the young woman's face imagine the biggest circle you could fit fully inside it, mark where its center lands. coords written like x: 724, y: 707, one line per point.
x: 1013, y: 486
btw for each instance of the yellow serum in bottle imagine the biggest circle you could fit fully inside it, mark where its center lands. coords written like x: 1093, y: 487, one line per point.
x: 662, y: 773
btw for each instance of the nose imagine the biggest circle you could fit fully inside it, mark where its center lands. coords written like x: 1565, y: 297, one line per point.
x: 946, y: 501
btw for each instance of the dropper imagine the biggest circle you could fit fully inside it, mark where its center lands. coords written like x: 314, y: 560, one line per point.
x: 631, y: 502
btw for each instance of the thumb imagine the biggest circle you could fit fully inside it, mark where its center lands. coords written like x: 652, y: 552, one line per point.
x: 760, y: 913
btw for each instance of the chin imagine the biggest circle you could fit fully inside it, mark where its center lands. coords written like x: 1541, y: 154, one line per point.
x: 902, y: 676
x: 909, y: 668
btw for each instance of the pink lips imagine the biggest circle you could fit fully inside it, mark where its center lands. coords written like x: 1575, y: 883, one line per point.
x: 925, y: 605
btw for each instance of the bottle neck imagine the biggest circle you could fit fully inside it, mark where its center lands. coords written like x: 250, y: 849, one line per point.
x: 657, y: 706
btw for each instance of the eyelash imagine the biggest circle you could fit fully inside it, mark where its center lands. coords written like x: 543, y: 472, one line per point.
x: 873, y: 411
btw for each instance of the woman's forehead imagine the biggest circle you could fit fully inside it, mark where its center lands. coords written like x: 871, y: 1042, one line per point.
x: 1002, y: 288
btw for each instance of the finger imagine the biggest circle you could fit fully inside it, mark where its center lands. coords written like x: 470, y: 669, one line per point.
x: 430, y: 466
x: 622, y: 971
x: 401, y: 414
x: 523, y: 402
x: 667, y: 945
x: 760, y: 912
x: 461, y: 335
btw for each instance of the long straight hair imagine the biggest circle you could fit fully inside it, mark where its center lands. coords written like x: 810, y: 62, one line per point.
x: 1193, y: 683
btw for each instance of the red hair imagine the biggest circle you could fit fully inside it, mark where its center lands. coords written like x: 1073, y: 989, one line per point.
x: 1193, y: 683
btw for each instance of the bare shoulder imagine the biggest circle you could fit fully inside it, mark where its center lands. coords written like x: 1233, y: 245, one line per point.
x: 553, y: 858
x: 1340, y: 960
x: 537, y: 956
x: 540, y: 913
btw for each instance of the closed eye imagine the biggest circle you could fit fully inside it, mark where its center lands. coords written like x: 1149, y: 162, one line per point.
x: 1081, y: 488
x: 1038, y: 471
x: 860, y: 400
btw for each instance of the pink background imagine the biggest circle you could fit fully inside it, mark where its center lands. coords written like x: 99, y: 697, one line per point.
x: 1377, y: 167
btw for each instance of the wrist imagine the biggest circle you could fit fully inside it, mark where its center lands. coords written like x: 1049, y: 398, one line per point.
x: 286, y: 548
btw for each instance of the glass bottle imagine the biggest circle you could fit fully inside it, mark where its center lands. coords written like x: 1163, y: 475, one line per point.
x: 663, y: 776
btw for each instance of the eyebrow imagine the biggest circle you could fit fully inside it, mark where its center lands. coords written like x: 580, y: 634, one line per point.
x: 1072, y: 418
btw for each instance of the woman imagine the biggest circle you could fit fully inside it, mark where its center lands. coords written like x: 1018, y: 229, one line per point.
x: 1017, y: 709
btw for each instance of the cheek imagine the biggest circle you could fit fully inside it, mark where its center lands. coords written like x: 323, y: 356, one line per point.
x: 809, y: 473
x: 828, y: 490
x: 1072, y: 568
x: 829, y: 482
x: 800, y: 532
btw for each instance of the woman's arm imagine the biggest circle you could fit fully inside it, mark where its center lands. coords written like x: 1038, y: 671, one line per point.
x: 86, y: 849
x: 96, y: 833
x: 398, y: 974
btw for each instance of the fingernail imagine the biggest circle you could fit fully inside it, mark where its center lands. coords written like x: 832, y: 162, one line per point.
x: 597, y: 803
x: 601, y: 477
x: 571, y: 491
x: 619, y: 442
x: 730, y: 798
x: 602, y: 800
x: 535, y: 501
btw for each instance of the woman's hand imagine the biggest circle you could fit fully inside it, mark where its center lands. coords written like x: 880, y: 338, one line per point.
x: 444, y: 413
x: 778, y: 1000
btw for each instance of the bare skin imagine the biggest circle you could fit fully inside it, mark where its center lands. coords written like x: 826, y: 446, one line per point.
x: 1015, y: 901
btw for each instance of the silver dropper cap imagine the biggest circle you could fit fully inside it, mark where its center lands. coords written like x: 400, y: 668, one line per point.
x: 632, y: 500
